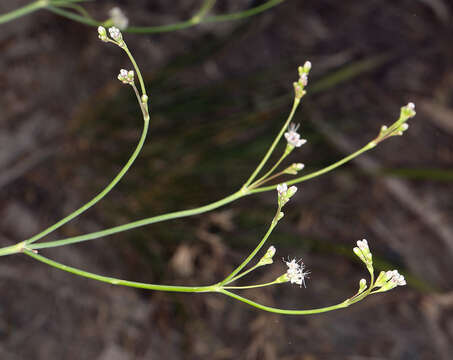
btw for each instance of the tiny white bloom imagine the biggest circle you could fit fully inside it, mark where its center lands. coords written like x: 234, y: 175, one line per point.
x: 363, y: 245
x: 126, y: 77
x: 396, y: 278
x: 118, y: 18
x: 282, y: 189
x: 115, y: 33
x: 295, y: 272
x: 307, y: 66
x: 411, y: 106
x: 293, y: 137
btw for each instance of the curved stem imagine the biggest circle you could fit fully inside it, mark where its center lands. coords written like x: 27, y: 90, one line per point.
x: 209, y: 19
x: 251, y: 286
x: 243, y: 14
x: 100, y: 195
x: 115, y: 281
x: 249, y: 258
x: 73, y: 16
x: 195, y: 211
x: 196, y: 19
x: 283, y: 311
x: 27, y: 9
x: 136, y: 224
x: 137, y: 70
x: 274, y: 144
x: 263, y: 178
x: 319, y: 172
x: 243, y: 274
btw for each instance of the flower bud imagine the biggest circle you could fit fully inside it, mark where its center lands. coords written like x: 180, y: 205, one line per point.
x: 102, y: 34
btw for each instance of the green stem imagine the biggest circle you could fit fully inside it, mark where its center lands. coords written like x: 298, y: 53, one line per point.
x: 27, y: 9
x: 139, y: 29
x: 136, y: 224
x: 137, y: 69
x: 319, y: 172
x: 73, y: 16
x: 115, y: 281
x: 195, y: 211
x: 75, y: 7
x: 209, y: 19
x: 274, y: 144
x: 243, y: 14
x: 13, y: 249
x: 251, y: 286
x: 243, y: 273
x: 256, y: 183
x: 100, y: 195
x: 283, y: 311
x: 264, y: 177
x: 249, y: 258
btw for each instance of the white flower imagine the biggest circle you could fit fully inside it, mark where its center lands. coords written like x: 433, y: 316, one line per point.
x: 296, y: 273
x: 115, y: 33
x: 396, y: 278
x: 285, y: 193
x: 293, y: 137
x: 282, y: 189
x: 363, y: 245
x: 126, y: 77
x: 118, y: 18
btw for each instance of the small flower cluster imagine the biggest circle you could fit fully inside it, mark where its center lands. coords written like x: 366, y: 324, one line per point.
x: 285, y: 193
x: 299, y: 86
x: 388, y: 280
x: 293, y: 137
x: 295, y: 273
x: 294, y: 168
x: 115, y: 34
x: 400, y: 126
x: 126, y: 77
x: 118, y: 18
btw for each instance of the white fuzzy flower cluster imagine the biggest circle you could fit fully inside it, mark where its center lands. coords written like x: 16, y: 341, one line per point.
x: 295, y: 273
x: 126, y: 77
x: 119, y: 19
x: 285, y: 193
x: 293, y: 137
x: 299, y: 86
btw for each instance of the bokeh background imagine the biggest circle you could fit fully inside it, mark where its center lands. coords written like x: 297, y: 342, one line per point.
x: 219, y: 93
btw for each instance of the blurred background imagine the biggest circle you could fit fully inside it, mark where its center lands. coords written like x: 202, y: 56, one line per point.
x: 219, y: 93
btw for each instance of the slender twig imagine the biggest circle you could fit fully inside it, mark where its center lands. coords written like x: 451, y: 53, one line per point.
x: 115, y: 281
x: 274, y: 144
